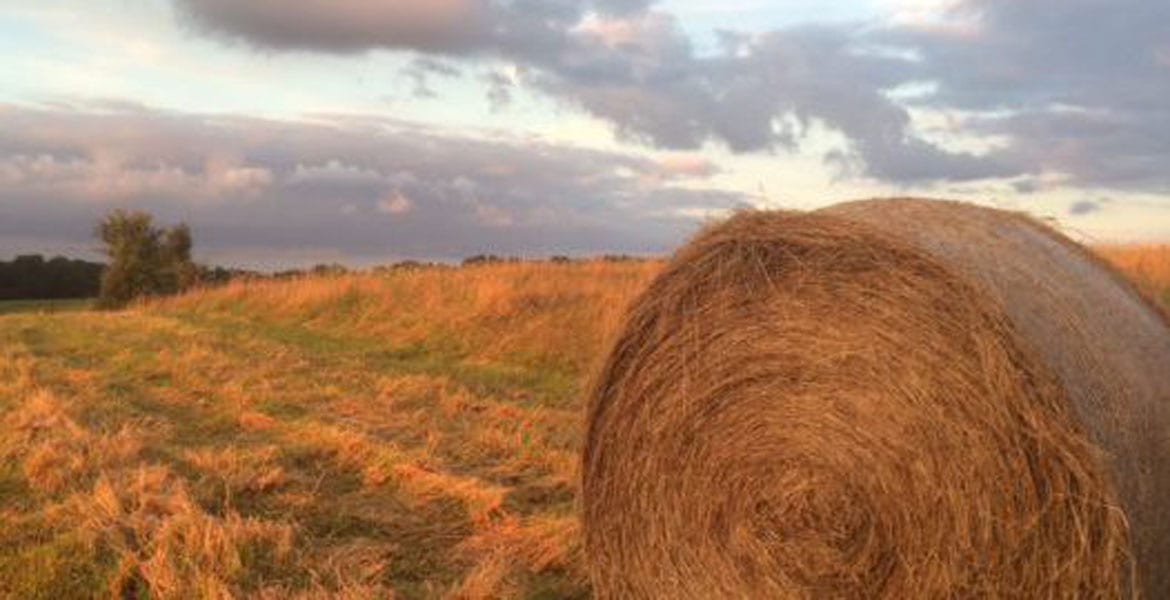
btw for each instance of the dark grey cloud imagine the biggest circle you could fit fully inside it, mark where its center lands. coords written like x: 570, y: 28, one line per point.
x: 361, y: 188
x: 1075, y: 88
x: 763, y: 93
x: 1010, y: 54
x: 435, y: 66
x: 623, y: 7
x: 1084, y: 207
x: 449, y: 26
x: 452, y: 27
x: 500, y: 88
x: 423, y: 69
x: 1078, y: 87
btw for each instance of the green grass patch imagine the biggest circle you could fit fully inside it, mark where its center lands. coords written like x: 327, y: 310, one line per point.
x: 11, y: 307
x: 62, y: 567
x: 516, y: 383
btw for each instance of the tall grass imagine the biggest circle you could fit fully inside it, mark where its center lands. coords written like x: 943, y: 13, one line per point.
x: 556, y: 313
x: 1148, y: 265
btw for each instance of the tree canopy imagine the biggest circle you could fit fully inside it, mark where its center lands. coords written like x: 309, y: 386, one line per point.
x: 144, y: 260
x: 30, y: 276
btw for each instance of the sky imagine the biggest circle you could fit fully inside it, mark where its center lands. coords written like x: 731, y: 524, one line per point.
x: 369, y: 131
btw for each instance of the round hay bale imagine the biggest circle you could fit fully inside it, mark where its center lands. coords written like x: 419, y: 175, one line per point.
x: 899, y: 398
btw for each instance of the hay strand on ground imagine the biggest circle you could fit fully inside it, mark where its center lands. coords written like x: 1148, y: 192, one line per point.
x: 890, y: 398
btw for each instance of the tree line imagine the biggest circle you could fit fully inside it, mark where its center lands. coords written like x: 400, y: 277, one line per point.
x: 31, y: 276
x: 145, y: 260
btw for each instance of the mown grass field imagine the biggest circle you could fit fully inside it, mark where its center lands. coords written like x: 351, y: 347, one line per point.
x: 411, y: 434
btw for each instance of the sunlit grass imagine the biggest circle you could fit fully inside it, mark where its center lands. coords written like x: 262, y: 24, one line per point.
x: 409, y: 434
x: 1148, y: 265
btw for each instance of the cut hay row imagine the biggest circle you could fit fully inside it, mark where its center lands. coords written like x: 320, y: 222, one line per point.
x: 888, y: 398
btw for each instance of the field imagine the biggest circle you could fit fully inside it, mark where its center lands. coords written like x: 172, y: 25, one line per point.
x: 409, y: 434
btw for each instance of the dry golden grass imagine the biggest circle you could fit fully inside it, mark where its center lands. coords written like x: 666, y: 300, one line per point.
x: 1148, y: 265
x: 410, y: 435
x: 558, y: 313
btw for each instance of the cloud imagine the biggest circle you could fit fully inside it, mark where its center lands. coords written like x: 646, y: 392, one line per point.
x: 422, y: 69
x: 500, y: 86
x: 1075, y: 86
x: 452, y: 27
x: 632, y: 65
x: 1084, y: 207
x: 762, y: 93
x: 687, y: 165
x: 362, y: 187
x: 395, y: 203
x: 346, y: 25
x: 1071, y: 90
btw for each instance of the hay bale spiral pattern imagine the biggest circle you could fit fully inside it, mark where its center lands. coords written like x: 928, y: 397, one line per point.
x: 829, y: 405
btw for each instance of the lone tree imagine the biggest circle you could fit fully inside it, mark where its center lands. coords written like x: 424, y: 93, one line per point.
x: 143, y: 260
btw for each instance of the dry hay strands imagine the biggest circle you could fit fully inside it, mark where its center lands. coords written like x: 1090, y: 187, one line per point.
x: 898, y: 398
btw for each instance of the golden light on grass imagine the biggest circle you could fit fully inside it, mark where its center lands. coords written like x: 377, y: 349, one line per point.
x: 410, y: 434
x: 1148, y: 265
